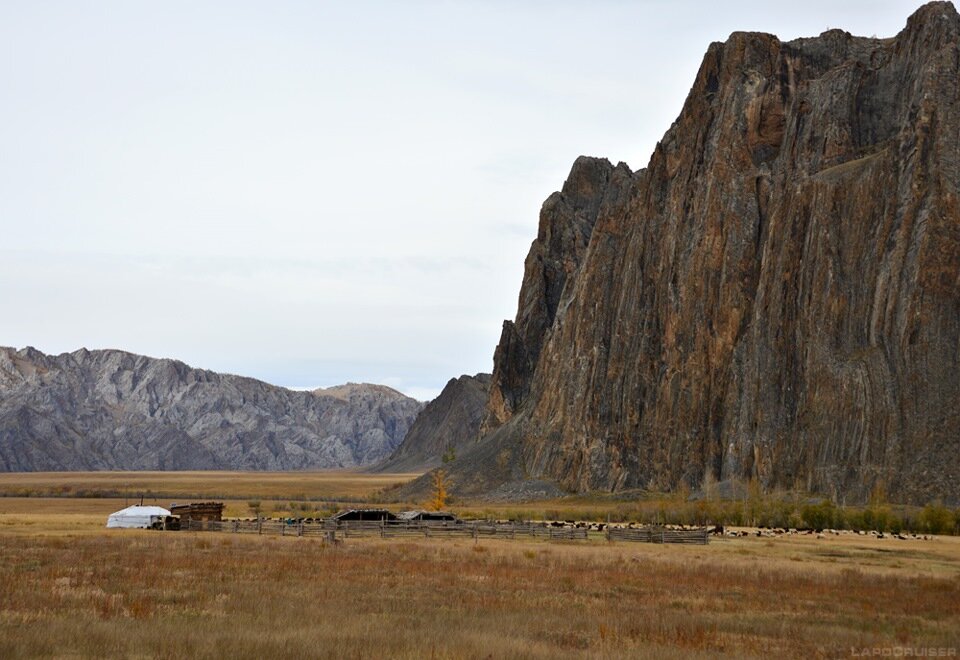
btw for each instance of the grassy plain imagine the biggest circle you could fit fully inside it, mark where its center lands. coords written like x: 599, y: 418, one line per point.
x: 70, y: 588
x: 340, y: 484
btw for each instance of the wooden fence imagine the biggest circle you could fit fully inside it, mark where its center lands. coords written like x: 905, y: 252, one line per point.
x: 659, y: 535
x: 333, y: 529
x: 389, y: 529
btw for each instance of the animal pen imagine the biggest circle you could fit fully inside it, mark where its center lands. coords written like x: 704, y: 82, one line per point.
x: 333, y: 529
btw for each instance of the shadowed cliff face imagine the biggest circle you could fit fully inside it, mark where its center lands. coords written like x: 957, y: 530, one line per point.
x: 776, y: 295
x: 449, y: 423
x: 100, y: 410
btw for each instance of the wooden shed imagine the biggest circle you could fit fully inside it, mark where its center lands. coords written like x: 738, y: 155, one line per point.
x: 351, y: 515
x: 200, y: 511
x: 420, y: 515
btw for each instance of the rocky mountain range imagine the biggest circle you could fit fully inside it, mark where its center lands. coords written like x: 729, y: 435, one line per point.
x: 776, y: 296
x: 100, y: 410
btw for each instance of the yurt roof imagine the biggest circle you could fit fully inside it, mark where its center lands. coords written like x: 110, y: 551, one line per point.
x: 142, y: 510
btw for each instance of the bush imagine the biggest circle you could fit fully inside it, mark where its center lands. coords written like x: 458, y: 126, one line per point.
x: 795, y: 520
x: 779, y: 514
x: 895, y: 524
x: 877, y: 518
x: 819, y: 516
x: 840, y: 518
x: 937, y: 519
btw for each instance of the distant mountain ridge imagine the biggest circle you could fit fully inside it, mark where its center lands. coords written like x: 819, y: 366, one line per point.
x: 109, y: 409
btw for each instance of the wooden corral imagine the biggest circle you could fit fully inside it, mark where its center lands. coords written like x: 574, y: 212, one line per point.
x: 383, y: 523
x: 332, y: 529
x: 658, y: 534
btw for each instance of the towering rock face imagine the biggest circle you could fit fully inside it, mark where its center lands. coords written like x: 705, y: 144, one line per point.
x: 98, y: 410
x: 776, y: 295
x: 566, y: 224
x: 449, y: 423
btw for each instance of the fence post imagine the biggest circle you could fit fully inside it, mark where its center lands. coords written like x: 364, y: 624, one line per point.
x: 259, y: 525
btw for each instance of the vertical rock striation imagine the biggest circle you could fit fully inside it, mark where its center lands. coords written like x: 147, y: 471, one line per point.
x: 777, y: 295
x: 567, y: 219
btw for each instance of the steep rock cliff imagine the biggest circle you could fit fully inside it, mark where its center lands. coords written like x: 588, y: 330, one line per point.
x: 98, y: 410
x: 777, y: 295
x: 566, y: 223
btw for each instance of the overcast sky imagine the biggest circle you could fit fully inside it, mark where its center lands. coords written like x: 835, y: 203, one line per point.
x: 312, y: 193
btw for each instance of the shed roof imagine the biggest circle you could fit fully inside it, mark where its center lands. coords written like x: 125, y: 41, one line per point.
x: 430, y: 515
x: 365, y: 514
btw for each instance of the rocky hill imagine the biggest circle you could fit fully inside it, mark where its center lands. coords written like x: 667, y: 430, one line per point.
x: 449, y: 423
x: 776, y: 295
x: 99, y: 410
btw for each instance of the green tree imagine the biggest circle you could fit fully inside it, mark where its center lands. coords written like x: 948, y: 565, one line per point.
x: 449, y: 455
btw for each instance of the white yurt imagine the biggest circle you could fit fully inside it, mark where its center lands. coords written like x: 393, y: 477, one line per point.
x: 137, y: 516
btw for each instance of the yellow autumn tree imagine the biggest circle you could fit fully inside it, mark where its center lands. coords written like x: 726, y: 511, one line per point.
x: 441, y: 486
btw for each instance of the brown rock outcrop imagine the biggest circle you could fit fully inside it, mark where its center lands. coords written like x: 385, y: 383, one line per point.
x: 776, y: 295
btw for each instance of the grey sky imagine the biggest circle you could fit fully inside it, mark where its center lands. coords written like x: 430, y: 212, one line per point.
x: 311, y: 193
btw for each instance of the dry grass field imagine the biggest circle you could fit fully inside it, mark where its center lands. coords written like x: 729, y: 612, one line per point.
x: 70, y: 588
x: 320, y: 485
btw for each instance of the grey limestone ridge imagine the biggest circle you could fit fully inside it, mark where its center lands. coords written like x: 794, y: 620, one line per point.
x: 776, y: 295
x: 99, y: 410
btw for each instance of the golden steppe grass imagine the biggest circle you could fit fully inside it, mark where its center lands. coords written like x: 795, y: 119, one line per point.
x: 318, y: 485
x: 273, y: 490
x: 70, y: 588
x: 123, y: 593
